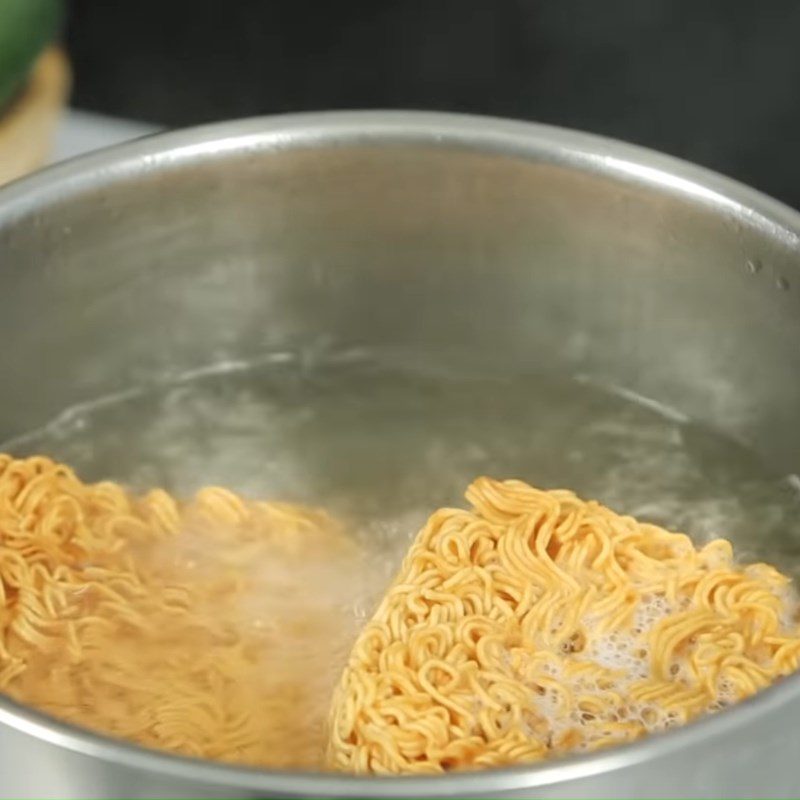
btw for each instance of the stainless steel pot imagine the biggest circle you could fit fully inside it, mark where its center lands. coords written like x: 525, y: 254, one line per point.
x: 511, y: 242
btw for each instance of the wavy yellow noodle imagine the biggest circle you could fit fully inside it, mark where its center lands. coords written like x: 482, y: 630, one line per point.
x: 532, y: 625
x: 537, y: 623
x: 193, y: 627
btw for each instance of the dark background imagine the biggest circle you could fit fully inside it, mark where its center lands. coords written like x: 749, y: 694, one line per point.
x: 713, y: 81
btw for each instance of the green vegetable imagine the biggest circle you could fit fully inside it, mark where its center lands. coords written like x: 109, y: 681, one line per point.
x: 26, y: 28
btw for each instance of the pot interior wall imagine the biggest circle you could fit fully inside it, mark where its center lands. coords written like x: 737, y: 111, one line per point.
x: 487, y: 265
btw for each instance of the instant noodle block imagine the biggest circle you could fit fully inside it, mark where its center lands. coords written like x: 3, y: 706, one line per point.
x: 537, y: 624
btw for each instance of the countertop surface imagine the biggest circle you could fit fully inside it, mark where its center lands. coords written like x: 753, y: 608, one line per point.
x: 81, y: 132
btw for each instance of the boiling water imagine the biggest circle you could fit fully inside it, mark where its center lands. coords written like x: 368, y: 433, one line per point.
x: 384, y: 445
x: 381, y: 446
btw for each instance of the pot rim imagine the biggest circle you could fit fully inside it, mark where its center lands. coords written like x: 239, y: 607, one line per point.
x: 570, y: 149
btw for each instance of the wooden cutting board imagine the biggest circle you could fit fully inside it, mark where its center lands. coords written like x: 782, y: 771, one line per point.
x: 28, y: 124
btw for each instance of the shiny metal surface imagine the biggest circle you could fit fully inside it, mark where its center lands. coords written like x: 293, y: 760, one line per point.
x: 502, y: 243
